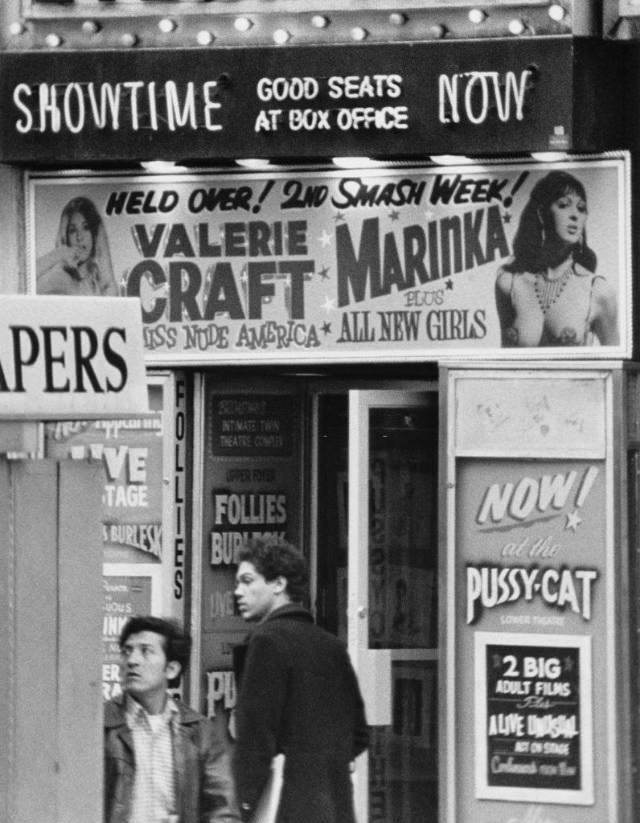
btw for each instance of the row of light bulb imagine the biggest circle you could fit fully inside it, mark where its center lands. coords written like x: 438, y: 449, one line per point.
x: 166, y: 25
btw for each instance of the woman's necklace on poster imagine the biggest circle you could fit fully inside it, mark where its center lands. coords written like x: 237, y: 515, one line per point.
x: 549, y: 290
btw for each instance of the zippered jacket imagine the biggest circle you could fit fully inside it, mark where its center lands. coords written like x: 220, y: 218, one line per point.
x: 204, y: 787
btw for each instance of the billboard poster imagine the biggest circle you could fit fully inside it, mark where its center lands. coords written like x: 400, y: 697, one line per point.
x: 533, y: 718
x: 124, y: 597
x: 531, y: 592
x: 492, y: 260
x: 131, y: 452
x: 254, y: 427
x: 251, y: 488
x: 532, y: 539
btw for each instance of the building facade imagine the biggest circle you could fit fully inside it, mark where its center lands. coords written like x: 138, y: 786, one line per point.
x: 384, y: 259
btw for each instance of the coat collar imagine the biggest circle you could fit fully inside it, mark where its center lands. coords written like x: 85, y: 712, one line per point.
x: 293, y: 611
x: 115, y: 713
x: 290, y: 611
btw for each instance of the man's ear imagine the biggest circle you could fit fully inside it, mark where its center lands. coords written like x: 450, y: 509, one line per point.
x: 281, y: 584
x: 173, y: 669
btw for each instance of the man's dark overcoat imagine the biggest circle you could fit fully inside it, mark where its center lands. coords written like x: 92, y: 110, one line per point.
x: 298, y: 694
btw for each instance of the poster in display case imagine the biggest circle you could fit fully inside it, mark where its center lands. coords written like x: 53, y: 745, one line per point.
x: 124, y: 597
x: 143, y: 516
x: 251, y: 488
x: 533, y: 588
x: 533, y: 734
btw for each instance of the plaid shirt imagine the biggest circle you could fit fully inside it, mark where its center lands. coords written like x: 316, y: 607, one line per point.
x: 154, y: 798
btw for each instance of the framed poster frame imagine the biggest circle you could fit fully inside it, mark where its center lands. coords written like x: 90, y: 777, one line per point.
x: 485, y: 457
x: 581, y: 643
x: 394, y: 263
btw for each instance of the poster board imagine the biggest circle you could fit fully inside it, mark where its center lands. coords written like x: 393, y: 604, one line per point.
x: 377, y: 264
x: 142, y: 518
x: 533, y: 710
x: 532, y: 645
x: 124, y: 597
x: 251, y: 486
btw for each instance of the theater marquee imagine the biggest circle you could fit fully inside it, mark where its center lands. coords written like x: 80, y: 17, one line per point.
x: 467, y: 96
x: 404, y: 263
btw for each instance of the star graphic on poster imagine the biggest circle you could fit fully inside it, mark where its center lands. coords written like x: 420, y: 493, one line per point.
x: 149, y: 292
x: 328, y: 304
x: 449, y: 284
x: 568, y: 664
x: 394, y: 215
x: 338, y: 217
x: 506, y: 217
x: 325, y: 239
x: 573, y: 521
x: 324, y: 273
x: 497, y: 661
x: 326, y: 328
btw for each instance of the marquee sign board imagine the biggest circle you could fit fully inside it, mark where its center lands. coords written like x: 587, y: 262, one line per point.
x: 464, y: 97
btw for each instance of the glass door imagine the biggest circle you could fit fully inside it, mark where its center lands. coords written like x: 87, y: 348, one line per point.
x: 376, y: 564
x: 392, y: 599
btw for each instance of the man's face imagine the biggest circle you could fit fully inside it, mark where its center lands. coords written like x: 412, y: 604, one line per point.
x: 256, y: 596
x: 144, y: 668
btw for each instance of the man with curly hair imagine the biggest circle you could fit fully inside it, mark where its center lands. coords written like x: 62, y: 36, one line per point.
x: 298, y: 694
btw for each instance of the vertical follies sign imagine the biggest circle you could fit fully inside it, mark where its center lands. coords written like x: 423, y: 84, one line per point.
x: 510, y: 259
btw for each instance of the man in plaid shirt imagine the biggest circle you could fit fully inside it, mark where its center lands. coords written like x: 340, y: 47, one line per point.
x: 164, y: 762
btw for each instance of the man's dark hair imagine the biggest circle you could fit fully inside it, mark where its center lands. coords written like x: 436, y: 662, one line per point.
x: 176, y: 640
x: 274, y: 557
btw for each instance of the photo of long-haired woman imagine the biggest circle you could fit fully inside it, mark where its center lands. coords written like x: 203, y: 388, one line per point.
x: 550, y: 292
x: 80, y: 262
